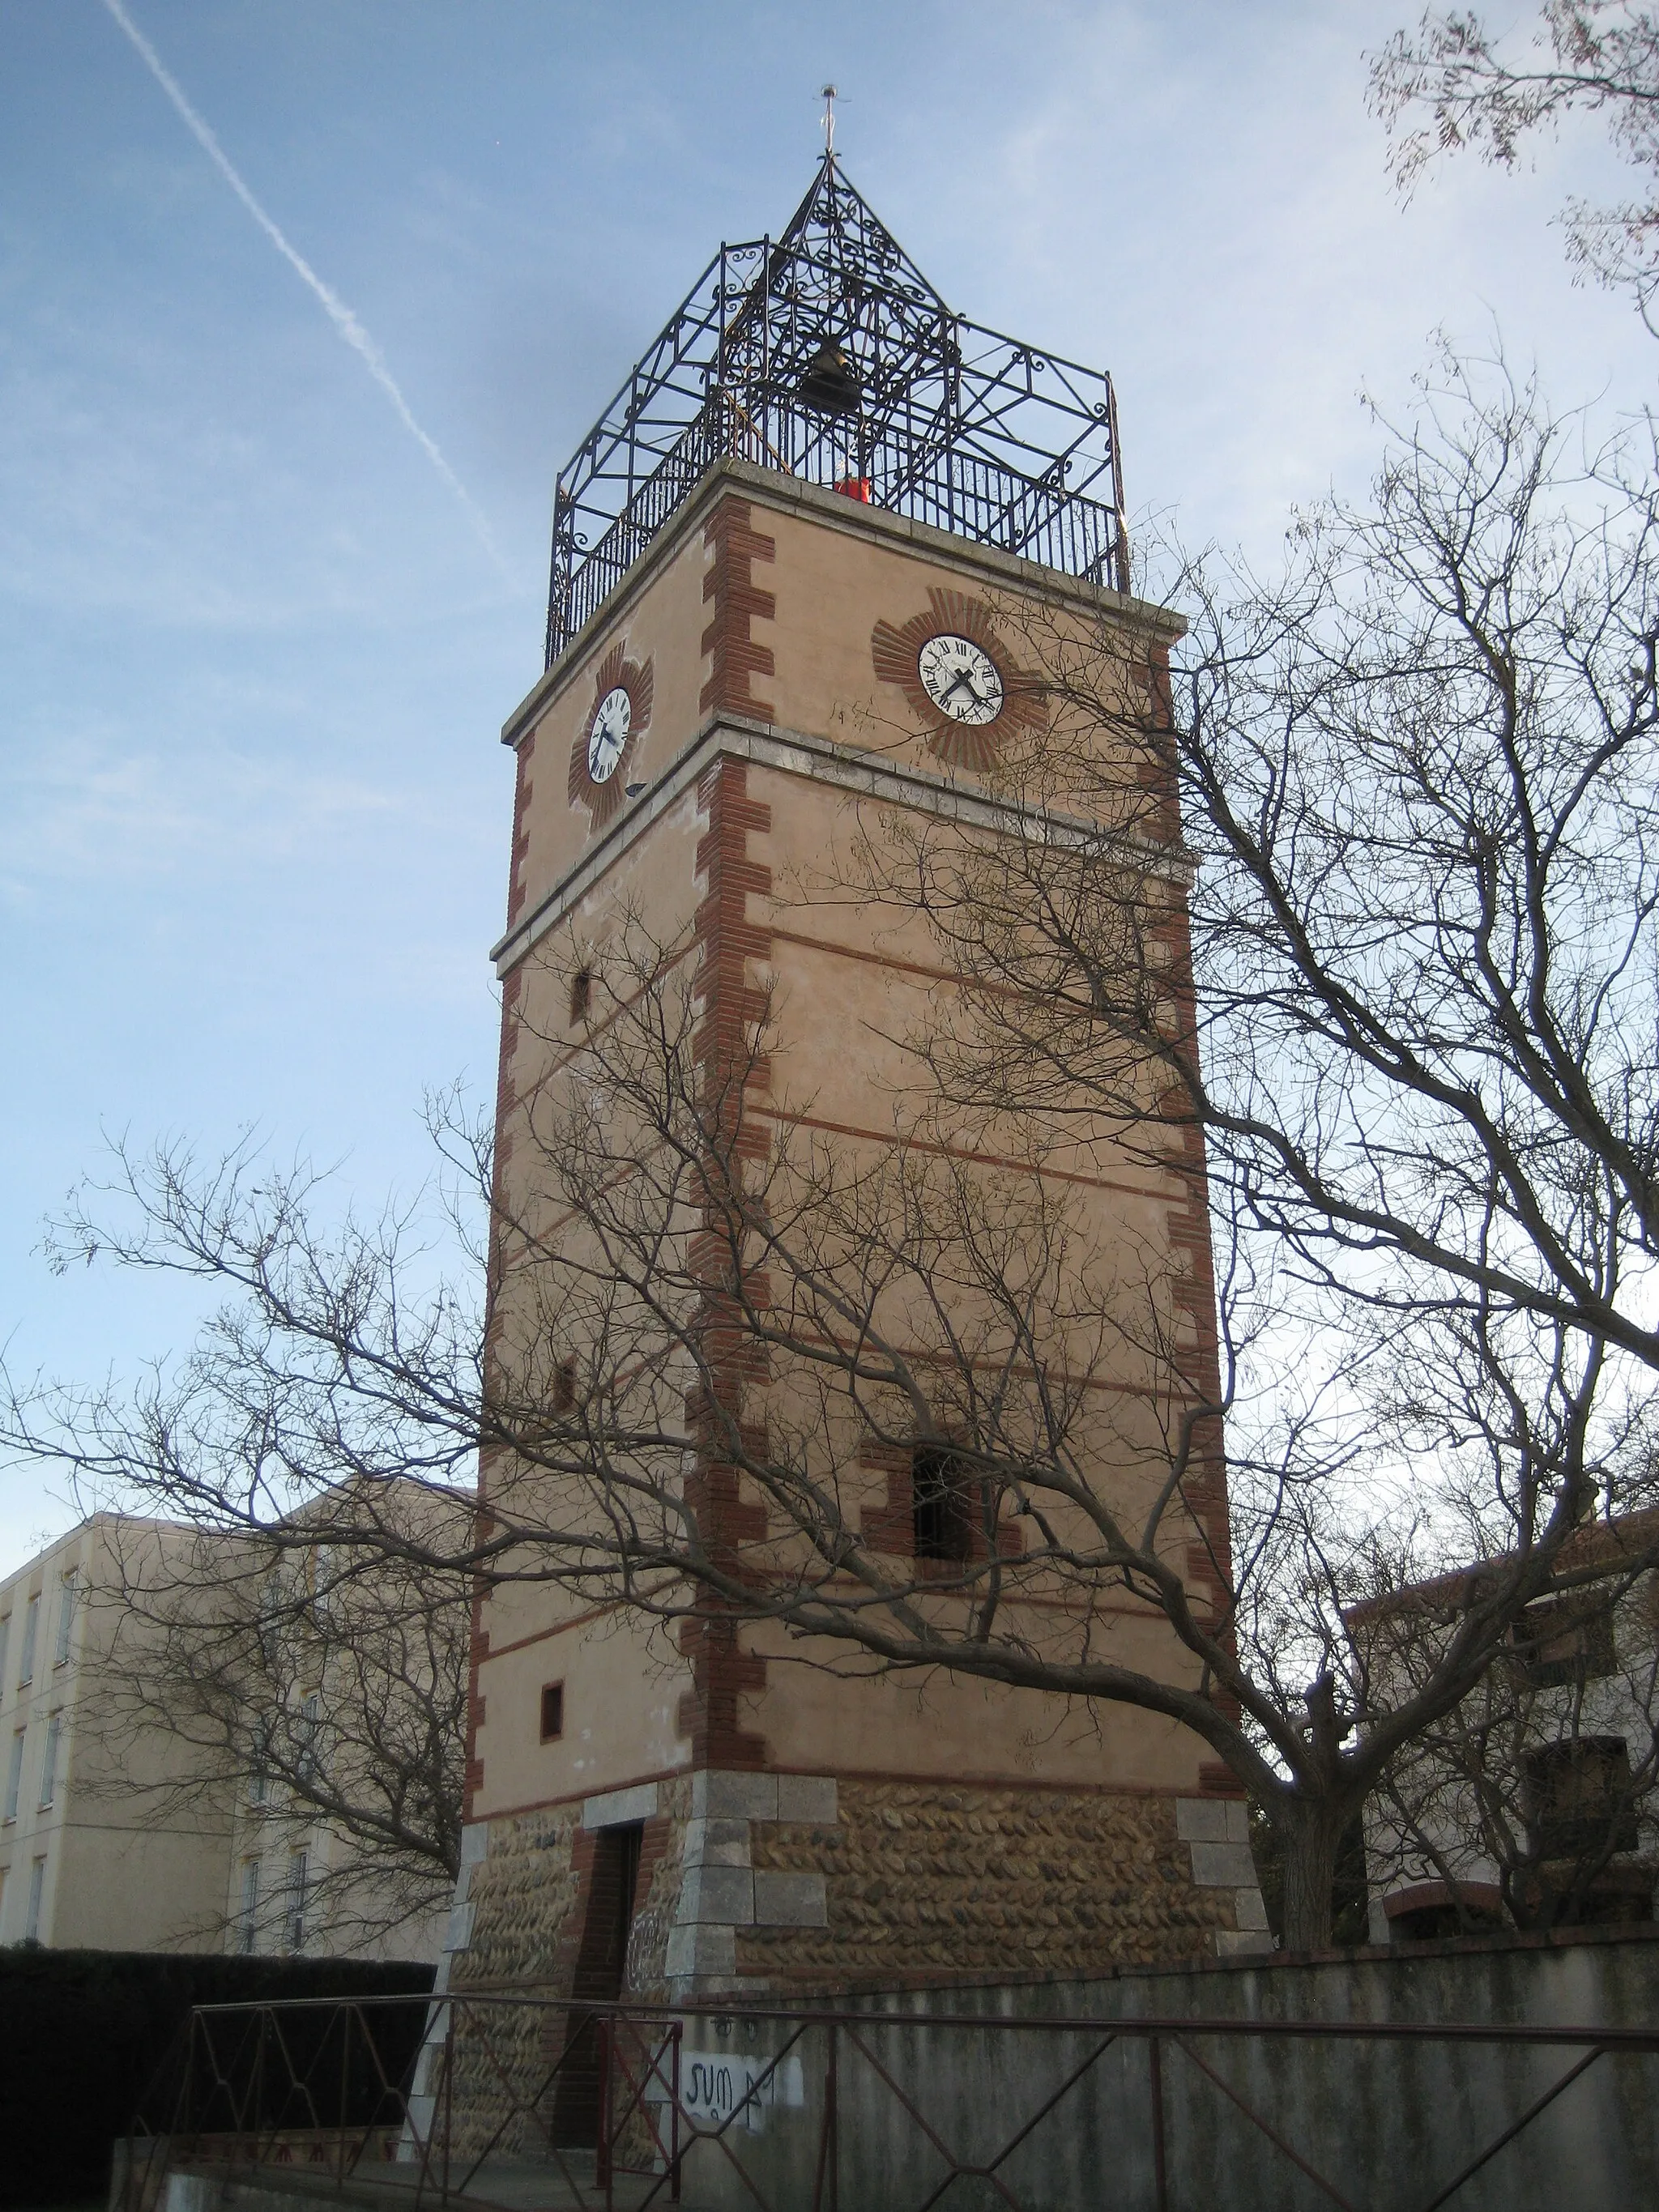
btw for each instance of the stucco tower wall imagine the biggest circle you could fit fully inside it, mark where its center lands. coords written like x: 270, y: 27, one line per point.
x: 798, y: 1827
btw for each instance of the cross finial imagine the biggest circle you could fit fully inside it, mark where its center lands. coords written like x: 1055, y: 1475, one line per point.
x: 829, y: 120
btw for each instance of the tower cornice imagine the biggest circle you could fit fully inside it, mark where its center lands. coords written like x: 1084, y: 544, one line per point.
x: 850, y: 769
x: 988, y: 566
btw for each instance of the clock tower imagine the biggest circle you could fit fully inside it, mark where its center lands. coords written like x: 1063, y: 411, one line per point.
x: 792, y: 567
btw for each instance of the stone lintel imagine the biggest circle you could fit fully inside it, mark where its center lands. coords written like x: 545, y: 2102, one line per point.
x: 619, y: 1808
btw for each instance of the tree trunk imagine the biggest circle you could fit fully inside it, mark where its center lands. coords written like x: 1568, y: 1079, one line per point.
x: 1311, y: 1835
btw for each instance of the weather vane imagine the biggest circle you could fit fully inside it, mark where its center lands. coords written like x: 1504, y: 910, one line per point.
x: 830, y: 121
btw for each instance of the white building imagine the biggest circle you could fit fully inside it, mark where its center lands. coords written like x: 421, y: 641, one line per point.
x: 1537, y: 1800
x: 89, y: 1854
x: 138, y: 1815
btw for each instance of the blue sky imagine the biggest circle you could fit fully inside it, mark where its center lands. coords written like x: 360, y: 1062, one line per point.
x: 254, y: 655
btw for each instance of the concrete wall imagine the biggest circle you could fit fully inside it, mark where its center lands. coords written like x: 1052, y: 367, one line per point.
x: 1389, y: 2125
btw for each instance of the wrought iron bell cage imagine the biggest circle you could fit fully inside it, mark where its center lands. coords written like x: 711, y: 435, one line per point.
x: 827, y: 354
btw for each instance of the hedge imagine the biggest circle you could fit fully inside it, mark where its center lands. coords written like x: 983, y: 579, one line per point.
x: 83, y: 2034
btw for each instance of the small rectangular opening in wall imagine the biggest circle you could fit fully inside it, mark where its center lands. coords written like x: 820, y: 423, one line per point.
x: 564, y: 1387
x: 941, y: 1504
x: 581, y: 996
x: 552, y: 1711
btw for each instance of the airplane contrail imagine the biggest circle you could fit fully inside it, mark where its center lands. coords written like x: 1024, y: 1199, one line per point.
x: 334, y: 307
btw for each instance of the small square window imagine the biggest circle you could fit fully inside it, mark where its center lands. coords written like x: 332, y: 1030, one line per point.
x: 552, y: 1711
x: 581, y: 994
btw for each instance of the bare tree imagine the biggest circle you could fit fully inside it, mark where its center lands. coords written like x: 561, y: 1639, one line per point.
x: 315, y: 1698
x: 1596, y: 55
x: 1417, y: 773
x: 900, y: 1405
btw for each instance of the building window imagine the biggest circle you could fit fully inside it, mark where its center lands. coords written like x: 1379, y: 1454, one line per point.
x: 294, y: 1900
x: 552, y: 1711
x: 1565, y: 1640
x: 14, y: 1775
x: 324, y: 1577
x: 941, y: 1505
x: 5, y: 1639
x: 247, y: 1918
x: 31, y: 1627
x: 581, y: 996
x: 307, y: 1766
x: 564, y: 1387
x: 37, y: 1892
x: 258, y: 1772
x: 1579, y: 1798
x: 66, y: 1620
x: 48, y: 1764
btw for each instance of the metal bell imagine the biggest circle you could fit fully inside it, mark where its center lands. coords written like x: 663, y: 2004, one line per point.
x: 830, y: 385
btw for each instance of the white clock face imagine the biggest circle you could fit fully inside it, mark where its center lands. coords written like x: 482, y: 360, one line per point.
x: 960, y: 677
x: 608, y: 733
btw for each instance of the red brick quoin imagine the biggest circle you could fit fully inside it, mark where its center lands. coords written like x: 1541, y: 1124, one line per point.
x: 729, y: 587
x: 729, y: 941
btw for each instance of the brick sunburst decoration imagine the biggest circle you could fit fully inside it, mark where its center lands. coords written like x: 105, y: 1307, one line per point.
x: 896, y: 654
x: 616, y: 670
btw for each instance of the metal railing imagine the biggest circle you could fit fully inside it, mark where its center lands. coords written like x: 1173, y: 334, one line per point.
x: 523, y: 2102
x: 1039, y: 516
x: 938, y: 418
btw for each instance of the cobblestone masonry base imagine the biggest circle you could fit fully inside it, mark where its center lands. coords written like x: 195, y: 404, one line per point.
x: 755, y: 1881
